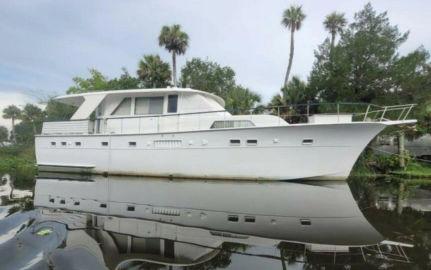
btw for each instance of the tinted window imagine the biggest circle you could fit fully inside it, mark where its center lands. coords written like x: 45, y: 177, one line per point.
x: 172, y: 103
x: 232, y: 124
x: 148, y: 105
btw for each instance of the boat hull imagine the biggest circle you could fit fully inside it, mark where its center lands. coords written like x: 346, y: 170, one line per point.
x: 268, y: 153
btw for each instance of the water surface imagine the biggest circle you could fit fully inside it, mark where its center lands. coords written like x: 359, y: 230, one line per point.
x: 179, y: 224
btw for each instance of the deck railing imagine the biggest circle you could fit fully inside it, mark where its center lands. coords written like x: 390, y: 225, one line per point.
x: 296, y: 113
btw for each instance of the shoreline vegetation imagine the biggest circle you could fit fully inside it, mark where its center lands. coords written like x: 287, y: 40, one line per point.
x: 358, y: 62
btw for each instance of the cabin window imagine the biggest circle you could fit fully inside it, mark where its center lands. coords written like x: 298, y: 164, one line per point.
x: 53, y: 143
x: 148, y: 105
x: 249, y: 219
x: 305, y: 222
x: 172, y: 103
x: 77, y: 143
x: 235, y: 142
x: 232, y: 218
x: 124, y: 108
x: 307, y: 141
x: 130, y: 208
x: 132, y: 144
x: 104, y: 143
x: 232, y: 124
x: 63, y: 143
x: 252, y: 142
x: 103, y: 205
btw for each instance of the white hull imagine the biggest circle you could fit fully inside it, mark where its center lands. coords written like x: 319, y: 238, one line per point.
x: 280, y: 152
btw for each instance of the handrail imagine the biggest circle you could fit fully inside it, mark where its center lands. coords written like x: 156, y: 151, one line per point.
x: 292, y: 113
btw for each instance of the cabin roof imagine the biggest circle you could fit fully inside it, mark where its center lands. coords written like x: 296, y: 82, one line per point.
x: 78, y: 99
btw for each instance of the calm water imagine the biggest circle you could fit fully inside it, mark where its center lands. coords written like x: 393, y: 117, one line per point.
x: 138, y: 223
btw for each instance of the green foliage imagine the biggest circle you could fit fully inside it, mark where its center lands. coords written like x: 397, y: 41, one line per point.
x: 4, y: 135
x: 293, y: 17
x: 153, y: 72
x: 24, y: 133
x: 174, y: 39
x: 334, y: 23
x: 56, y: 111
x: 240, y: 100
x: 19, y: 163
x: 34, y: 116
x: 208, y: 76
x: 11, y: 111
x: 125, y: 81
x: 361, y: 65
x: 99, y: 82
x: 96, y: 82
x: 211, y: 77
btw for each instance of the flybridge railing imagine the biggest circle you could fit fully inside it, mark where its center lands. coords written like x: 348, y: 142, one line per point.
x: 298, y: 113
x: 293, y: 114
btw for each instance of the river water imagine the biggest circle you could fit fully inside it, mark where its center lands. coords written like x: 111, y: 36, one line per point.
x: 95, y: 222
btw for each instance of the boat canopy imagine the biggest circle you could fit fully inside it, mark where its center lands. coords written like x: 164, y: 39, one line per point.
x: 192, y: 100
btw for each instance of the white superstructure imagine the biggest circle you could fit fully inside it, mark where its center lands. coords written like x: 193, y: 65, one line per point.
x: 176, y: 132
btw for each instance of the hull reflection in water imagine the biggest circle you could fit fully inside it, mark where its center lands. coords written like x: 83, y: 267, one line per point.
x: 325, y: 213
x: 135, y: 223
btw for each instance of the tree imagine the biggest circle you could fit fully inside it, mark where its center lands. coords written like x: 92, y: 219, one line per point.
x: 99, y: 82
x: 12, y: 112
x: 241, y: 100
x: 176, y: 42
x: 56, y: 111
x: 96, y: 82
x: 208, y: 76
x: 33, y: 115
x: 334, y: 24
x: 153, y: 72
x: 292, y: 19
x: 4, y: 135
x: 125, y: 81
x: 291, y: 103
x: 360, y: 67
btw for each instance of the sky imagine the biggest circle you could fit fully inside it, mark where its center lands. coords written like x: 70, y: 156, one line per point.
x: 45, y: 43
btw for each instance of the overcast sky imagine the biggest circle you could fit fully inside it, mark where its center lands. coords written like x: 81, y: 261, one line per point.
x: 43, y: 44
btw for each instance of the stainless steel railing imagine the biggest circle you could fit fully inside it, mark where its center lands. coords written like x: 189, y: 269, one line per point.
x: 294, y: 113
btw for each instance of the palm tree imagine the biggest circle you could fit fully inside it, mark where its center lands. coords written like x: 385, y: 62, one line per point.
x: 12, y: 112
x: 292, y: 19
x: 33, y: 115
x: 153, y: 72
x: 176, y: 42
x: 334, y: 23
x: 4, y: 135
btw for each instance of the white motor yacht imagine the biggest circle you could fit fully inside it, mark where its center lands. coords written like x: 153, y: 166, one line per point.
x: 177, y: 132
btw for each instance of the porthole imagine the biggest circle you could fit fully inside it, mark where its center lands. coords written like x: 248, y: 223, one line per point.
x: 63, y: 143
x: 252, y: 142
x: 235, y: 142
x: 51, y: 200
x: 78, y: 144
x: 307, y: 141
x: 62, y: 201
x: 53, y: 143
x: 76, y: 203
x: 104, y: 143
x: 130, y: 208
x: 250, y: 219
x: 232, y: 218
x: 132, y: 144
x: 305, y: 222
x: 103, y: 205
